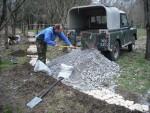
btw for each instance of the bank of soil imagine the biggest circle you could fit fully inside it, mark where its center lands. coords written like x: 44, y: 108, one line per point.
x: 20, y: 84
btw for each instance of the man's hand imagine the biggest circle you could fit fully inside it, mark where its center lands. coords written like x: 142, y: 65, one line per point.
x: 71, y: 46
x: 56, y: 45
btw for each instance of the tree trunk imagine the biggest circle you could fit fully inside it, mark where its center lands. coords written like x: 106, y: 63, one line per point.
x: 147, y: 55
x: 23, y: 28
x: 4, y: 12
x: 13, y: 27
x: 147, y: 17
x: 37, y: 28
x: 6, y: 37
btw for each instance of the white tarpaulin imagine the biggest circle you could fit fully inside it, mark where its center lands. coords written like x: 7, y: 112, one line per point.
x: 40, y: 66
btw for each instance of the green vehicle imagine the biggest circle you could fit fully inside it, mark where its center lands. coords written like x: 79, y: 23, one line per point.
x: 104, y: 27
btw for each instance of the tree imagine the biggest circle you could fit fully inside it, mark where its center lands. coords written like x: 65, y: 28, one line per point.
x: 7, y: 16
x: 147, y: 19
x: 49, y: 12
x: 8, y: 12
x: 58, y: 9
x: 3, y: 12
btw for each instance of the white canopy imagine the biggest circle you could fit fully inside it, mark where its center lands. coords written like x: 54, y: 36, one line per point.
x: 77, y: 18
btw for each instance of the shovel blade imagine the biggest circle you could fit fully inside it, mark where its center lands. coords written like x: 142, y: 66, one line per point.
x: 34, y: 102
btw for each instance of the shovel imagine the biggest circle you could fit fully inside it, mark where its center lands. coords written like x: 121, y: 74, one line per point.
x: 74, y: 47
x: 63, y: 74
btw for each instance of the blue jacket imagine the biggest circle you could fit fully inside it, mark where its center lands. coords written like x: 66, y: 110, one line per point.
x: 49, y: 36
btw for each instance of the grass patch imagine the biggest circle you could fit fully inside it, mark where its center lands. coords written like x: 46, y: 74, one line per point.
x: 53, y: 52
x: 8, y: 109
x: 135, y: 72
x: 35, y: 31
x: 141, y: 32
x: 16, y: 51
x: 6, y: 64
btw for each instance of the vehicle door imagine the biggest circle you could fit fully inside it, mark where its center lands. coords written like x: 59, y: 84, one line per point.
x: 124, y: 29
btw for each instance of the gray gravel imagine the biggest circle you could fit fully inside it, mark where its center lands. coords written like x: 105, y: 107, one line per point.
x: 91, y: 69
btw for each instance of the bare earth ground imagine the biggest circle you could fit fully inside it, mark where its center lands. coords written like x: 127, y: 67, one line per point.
x: 20, y: 84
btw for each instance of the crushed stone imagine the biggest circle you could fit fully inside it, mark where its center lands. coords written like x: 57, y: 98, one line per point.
x: 91, y: 69
x: 94, y: 75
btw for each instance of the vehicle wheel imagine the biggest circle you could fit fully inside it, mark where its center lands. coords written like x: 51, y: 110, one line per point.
x: 114, y: 54
x: 130, y: 47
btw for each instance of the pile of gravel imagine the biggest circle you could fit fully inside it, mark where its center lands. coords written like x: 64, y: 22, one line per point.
x: 91, y: 69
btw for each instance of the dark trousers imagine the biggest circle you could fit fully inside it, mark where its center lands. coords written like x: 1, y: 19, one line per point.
x: 41, y: 50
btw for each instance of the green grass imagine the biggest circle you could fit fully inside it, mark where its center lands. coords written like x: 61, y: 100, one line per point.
x: 141, y: 32
x: 9, y: 109
x: 135, y: 72
x: 53, y: 52
x: 135, y: 69
x: 6, y: 65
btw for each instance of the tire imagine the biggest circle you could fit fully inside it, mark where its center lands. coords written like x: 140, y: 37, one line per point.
x: 115, y: 53
x: 130, y: 47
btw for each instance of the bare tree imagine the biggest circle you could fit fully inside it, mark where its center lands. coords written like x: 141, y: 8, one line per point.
x: 58, y: 9
x: 37, y: 11
x: 6, y: 18
x: 9, y: 13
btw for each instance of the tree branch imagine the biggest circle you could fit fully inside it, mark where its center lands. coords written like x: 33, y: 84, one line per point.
x: 6, y: 19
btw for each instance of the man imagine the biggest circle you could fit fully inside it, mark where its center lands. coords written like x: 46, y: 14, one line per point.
x: 47, y: 37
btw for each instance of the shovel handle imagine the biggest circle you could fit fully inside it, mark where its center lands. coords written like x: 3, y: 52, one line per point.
x: 51, y: 87
x: 75, y: 47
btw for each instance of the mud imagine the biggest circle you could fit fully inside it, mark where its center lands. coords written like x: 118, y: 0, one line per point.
x: 19, y: 53
x: 21, y: 84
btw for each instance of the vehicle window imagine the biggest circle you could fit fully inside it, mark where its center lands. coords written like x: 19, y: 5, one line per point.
x: 98, y: 19
x: 124, y: 21
x: 103, y: 19
x: 93, y: 19
x: 98, y: 22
